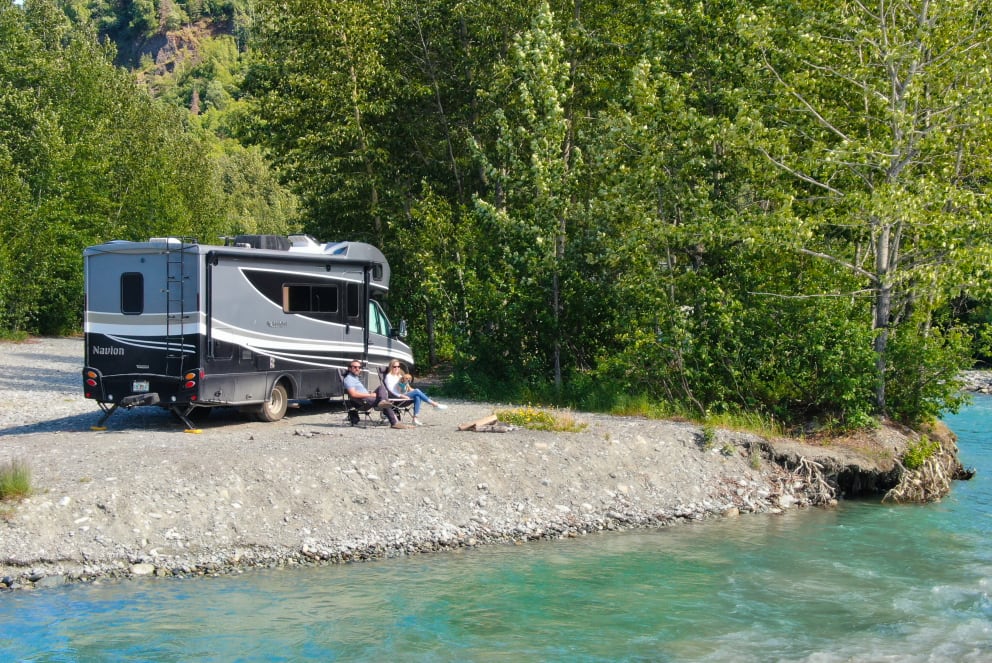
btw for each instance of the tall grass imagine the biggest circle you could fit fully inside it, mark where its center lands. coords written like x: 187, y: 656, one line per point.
x: 15, y: 480
x: 748, y: 421
x: 13, y: 336
x: 587, y: 395
x: 535, y: 419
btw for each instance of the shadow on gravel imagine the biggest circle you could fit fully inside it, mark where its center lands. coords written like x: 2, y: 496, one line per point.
x: 161, y: 420
x: 38, y: 378
x: 80, y: 423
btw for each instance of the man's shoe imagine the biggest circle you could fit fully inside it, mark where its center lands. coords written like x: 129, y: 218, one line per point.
x: 400, y: 426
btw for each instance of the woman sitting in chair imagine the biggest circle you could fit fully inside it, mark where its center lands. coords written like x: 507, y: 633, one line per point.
x: 400, y: 384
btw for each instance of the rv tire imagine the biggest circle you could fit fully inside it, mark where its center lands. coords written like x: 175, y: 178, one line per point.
x: 275, y: 407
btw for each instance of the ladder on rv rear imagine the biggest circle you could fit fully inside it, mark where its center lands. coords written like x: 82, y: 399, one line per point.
x: 175, y: 308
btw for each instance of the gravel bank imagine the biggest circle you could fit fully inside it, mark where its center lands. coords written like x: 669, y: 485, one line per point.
x: 979, y: 381
x: 143, y: 497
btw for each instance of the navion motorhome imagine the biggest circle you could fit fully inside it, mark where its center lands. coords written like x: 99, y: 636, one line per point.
x: 255, y: 323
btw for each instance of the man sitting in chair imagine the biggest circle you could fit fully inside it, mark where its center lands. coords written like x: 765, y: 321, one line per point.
x: 379, y: 400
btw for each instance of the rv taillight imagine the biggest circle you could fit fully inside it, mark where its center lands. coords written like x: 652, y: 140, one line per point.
x: 190, y: 380
x: 91, y: 374
x: 90, y: 382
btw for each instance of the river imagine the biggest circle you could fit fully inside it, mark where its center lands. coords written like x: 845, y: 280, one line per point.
x: 862, y: 582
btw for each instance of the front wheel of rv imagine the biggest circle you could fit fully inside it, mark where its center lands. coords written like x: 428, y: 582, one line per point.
x: 275, y: 408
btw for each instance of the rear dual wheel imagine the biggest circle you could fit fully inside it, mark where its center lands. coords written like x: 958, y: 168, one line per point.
x: 275, y: 408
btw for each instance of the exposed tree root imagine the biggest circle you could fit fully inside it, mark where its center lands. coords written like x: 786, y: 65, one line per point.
x: 819, y: 488
x: 806, y: 483
x: 929, y: 483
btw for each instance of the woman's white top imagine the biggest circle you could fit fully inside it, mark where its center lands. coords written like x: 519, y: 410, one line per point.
x: 391, y: 381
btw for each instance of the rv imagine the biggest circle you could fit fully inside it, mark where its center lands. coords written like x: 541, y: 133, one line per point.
x: 255, y: 323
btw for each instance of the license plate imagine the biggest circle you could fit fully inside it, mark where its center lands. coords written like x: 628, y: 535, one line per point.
x: 139, y: 386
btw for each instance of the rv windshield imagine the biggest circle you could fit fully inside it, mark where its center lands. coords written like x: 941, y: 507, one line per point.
x: 378, y: 322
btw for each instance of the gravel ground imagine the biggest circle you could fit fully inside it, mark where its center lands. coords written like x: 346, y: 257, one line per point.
x: 144, y: 497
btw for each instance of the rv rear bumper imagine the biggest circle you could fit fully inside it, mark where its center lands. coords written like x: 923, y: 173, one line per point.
x: 135, y: 389
x: 139, y: 399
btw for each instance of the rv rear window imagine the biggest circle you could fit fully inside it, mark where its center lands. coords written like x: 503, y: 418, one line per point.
x: 309, y: 298
x: 132, y: 293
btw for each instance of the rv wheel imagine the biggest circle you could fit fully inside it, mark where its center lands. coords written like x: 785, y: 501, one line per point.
x: 275, y: 408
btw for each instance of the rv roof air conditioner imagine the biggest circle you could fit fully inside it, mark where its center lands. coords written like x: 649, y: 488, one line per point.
x: 307, y: 244
x: 303, y: 243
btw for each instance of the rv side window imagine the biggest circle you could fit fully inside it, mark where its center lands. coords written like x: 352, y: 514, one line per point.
x: 377, y: 271
x: 309, y: 298
x: 132, y: 293
x: 378, y: 322
x: 295, y: 298
x: 324, y: 299
x: 354, y: 300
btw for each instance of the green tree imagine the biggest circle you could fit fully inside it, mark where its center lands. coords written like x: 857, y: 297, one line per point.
x: 320, y: 90
x: 97, y: 157
x: 530, y: 173
x: 880, y: 114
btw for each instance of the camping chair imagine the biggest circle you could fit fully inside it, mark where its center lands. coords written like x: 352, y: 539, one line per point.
x: 359, y: 408
x: 401, y: 404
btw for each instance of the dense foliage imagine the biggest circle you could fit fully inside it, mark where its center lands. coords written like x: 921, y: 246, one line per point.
x: 723, y: 206
x: 88, y: 155
x: 777, y: 207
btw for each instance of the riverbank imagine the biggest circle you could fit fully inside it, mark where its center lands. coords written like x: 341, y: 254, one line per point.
x: 977, y: 381
x: 145, y: 498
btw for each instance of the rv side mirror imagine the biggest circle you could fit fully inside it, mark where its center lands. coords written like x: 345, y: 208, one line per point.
x: 400, y: 330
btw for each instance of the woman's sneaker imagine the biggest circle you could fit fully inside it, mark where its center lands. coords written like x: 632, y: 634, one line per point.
x: 441, y: 406
x: 417, y: 422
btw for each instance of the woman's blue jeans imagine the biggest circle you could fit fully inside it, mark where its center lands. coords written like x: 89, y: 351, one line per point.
x: 419, y: 398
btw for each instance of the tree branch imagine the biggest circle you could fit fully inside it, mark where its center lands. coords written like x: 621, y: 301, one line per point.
x: 854, y: 293
x: 802, y: 176
x: 843, y: 263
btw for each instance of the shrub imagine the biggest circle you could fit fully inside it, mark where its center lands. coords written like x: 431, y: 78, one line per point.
x: 918, y: 452
x: 923, y: 375
x: 709, y: 436
x: 15, y: 480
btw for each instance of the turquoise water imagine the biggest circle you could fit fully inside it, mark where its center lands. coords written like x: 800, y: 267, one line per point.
x: 863, y: 582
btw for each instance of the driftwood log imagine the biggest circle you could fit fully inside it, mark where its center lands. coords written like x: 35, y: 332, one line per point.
x: 478, y: 423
